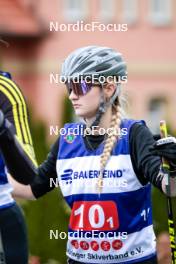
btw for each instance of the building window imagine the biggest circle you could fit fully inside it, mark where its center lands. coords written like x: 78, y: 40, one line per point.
x: 106, y: 10
x: 75, y: 10
x: 129, y: 11
x: 160, y: 12
x: 156, y: 112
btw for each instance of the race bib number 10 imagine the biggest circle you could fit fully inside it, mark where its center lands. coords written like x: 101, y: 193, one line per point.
x: 93, y: 215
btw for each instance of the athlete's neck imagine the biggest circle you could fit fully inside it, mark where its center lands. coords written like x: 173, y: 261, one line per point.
x: 105, y: 120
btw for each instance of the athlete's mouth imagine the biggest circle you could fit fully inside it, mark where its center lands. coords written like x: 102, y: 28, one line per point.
x: 76, y: 105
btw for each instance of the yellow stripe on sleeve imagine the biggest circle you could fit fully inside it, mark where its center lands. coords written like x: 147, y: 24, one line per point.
x: 21, y: 105
x: 19, y: 109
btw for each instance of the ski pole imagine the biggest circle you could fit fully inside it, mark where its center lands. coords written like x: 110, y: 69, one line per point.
x: 166, y: 167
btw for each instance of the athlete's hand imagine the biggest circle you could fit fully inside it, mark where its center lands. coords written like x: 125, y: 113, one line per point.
x: 165, y: 147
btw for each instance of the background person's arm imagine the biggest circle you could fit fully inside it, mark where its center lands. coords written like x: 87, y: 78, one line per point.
x: 14, y: 108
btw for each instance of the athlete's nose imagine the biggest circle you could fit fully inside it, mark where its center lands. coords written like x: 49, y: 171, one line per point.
x: 73, y: 96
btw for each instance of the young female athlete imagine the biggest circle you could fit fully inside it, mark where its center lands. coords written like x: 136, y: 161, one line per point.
x: 105, y: 177
x: 13, y: 234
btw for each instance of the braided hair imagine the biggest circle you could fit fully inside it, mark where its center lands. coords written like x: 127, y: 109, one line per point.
x: 110, y: 141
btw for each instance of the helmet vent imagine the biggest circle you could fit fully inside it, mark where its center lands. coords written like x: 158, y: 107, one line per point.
x: 103, y: 54
x: 86, y: 64
x: 102, y: 67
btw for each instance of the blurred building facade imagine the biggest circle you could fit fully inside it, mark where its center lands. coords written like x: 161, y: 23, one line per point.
x: 37, y: 49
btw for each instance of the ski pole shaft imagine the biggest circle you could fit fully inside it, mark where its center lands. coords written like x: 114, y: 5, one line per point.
x: 166, y: 167
x: 2, y: 254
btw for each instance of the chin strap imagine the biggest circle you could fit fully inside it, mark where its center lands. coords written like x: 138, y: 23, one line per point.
x: 104, y: 105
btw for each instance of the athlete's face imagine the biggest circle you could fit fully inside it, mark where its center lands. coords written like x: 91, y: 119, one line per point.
x: 86, y: 106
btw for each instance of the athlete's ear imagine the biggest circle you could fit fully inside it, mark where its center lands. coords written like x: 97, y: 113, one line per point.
x: 109, y: 89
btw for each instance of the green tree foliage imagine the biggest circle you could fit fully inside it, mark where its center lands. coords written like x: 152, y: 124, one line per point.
x: 68, y: 111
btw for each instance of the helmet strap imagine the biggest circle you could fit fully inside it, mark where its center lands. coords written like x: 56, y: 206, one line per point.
x: 101, y: 110
x: 104, y: 105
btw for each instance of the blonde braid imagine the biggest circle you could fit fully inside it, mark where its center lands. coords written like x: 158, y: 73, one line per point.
x: 109, y: 144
